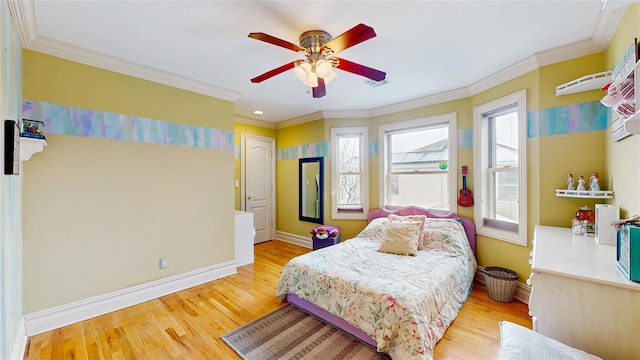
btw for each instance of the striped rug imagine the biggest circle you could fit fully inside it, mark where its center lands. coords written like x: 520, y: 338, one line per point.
x: 289, y: 333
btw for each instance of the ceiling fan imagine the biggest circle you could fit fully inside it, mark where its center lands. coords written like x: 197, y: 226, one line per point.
x: 319, y: 48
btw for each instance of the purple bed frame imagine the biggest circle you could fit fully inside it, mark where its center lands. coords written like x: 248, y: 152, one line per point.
x: 469, y: 228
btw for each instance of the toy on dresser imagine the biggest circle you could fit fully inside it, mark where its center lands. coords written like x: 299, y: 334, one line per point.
x: 584, y: 222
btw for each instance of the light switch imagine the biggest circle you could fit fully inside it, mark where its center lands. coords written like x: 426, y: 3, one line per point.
x: 236, y: 183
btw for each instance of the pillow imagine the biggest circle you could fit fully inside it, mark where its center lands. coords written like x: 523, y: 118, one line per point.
x: 401, y: 238
x: 435, y: 238
x: 374, y: 230
x: 420, y: 218
x: 519, y: 343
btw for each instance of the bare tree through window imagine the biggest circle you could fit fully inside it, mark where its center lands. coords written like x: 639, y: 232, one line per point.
x: 350, y: 169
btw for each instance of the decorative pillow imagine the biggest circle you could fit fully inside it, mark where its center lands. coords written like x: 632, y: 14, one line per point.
x: 401, y: 237
x: 374, y: 230
x: 519, y: 343
x: 435, y: 238
x: 420, y: 218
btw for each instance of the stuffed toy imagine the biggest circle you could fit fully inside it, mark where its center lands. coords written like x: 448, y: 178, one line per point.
x: 322, y: 233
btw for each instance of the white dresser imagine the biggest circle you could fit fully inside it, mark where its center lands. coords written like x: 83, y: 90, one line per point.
x: 244, y: 233
x: 580, y: 298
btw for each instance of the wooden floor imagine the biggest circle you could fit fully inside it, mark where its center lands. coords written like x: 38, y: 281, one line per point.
x: 189, y: 324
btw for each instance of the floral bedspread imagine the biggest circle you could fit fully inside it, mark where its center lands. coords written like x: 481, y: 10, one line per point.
x: 405, y: 303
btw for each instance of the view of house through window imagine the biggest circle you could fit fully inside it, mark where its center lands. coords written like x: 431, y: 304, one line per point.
x: 417, y: 158
x: 500, y: 168
x: 503, y: 165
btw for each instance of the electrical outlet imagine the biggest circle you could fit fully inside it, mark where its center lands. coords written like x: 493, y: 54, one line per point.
x: 164, y: 263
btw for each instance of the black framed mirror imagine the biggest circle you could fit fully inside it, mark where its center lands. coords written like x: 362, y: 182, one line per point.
x: 310, y: 189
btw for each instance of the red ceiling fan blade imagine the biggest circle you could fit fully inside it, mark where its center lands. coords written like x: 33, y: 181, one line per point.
x: 275, y: 41
x: 320, y: 90
x: 358, y: 69
x: 274, y: 72
x: 353, y: 36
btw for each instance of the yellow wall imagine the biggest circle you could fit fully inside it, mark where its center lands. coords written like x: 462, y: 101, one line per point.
x: 99, y: 213
x: 287, y: 177
x: 622, y: 162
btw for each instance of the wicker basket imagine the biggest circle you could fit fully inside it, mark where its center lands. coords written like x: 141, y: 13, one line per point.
x: 501, y: 283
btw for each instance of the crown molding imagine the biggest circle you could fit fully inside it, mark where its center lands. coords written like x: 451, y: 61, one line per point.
x: 318, y: 115
x: 253, y: 122
x: 74, y: 53
x: 347, y: 114
x: 24, y: 18
x: 607, y: 25
x: 567, y: 52
x: 421, y: 102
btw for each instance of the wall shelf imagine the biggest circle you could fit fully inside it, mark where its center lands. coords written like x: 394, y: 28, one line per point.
x: 585, y: 83
x: 30, y: 146
x: 585, y: 194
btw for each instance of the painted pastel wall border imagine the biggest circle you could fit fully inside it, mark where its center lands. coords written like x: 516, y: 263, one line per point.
x: 465, y: 138
x: 574, y: 118
x: 67, y: 120
x: 319, y: 149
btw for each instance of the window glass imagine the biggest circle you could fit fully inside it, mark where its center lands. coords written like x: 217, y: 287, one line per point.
x: 417, y: 162
x: 500, y: 177
x: 349, y: 184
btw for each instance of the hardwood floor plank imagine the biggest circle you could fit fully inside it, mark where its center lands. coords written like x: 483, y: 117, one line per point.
x: 188, y: 324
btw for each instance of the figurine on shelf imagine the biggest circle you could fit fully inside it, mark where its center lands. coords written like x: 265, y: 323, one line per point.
x: 593, y: 185
x: 581, y: 183
x: 570, y: 185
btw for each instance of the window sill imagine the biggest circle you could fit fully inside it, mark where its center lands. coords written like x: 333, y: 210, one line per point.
x: 507, y: 236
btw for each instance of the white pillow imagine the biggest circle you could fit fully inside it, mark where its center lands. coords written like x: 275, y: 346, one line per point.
x: 519, y: 343
x: 422, y: 219
x: 401, y: 237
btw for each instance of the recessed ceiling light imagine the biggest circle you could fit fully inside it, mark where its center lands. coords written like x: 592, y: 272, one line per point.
x: 258, y: 112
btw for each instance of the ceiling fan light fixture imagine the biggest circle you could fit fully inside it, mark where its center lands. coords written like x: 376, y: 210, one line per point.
x: 311, y: 80
x: 302, y: 70
x: 332, y: 75
x: 324, y: 68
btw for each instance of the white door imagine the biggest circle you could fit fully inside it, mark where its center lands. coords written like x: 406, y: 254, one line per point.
x: 259, y: 174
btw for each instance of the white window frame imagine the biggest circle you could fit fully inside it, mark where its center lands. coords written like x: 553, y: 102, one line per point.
x: 451, y: 120
x: 343, y: 213
x: 481, y: 163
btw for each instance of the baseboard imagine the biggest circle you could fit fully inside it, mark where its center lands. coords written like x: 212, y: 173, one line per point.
x: 20, y: 343
x: 304, y: 241
x: 63, y: 315
x: 522, y: 293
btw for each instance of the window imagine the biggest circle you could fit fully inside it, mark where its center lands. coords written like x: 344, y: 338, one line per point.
x: 418, y: 162
x: 500, y: 162
x: 349, y: 173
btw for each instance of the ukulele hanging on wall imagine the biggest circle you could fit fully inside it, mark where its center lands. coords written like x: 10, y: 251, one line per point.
x: 465, y: 199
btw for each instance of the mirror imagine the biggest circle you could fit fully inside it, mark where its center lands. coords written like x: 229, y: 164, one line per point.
x: 310, y: 194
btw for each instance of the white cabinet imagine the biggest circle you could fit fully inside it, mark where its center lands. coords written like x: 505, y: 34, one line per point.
x: 580, y: 298
x: 244, y: 233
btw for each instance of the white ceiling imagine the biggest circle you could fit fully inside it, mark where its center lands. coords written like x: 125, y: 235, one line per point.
x: 430, y: 50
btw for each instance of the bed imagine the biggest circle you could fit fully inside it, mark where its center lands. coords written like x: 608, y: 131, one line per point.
x: 400, y: 304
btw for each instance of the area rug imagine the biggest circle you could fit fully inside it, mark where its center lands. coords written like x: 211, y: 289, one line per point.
x: 290, y: 333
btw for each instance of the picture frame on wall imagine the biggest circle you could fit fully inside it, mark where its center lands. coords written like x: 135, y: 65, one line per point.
x: 11, y: 147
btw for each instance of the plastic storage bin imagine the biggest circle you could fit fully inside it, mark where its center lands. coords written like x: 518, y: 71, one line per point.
x: 319, y: 240
x: 501, y: 283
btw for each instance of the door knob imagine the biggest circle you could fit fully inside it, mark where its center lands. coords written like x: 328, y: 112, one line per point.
x: 248, y: 197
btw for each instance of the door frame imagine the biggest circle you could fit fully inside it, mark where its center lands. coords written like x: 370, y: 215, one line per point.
x: 243, y: 193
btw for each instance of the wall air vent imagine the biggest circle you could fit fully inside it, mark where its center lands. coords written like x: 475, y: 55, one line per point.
x: 374, y: 83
